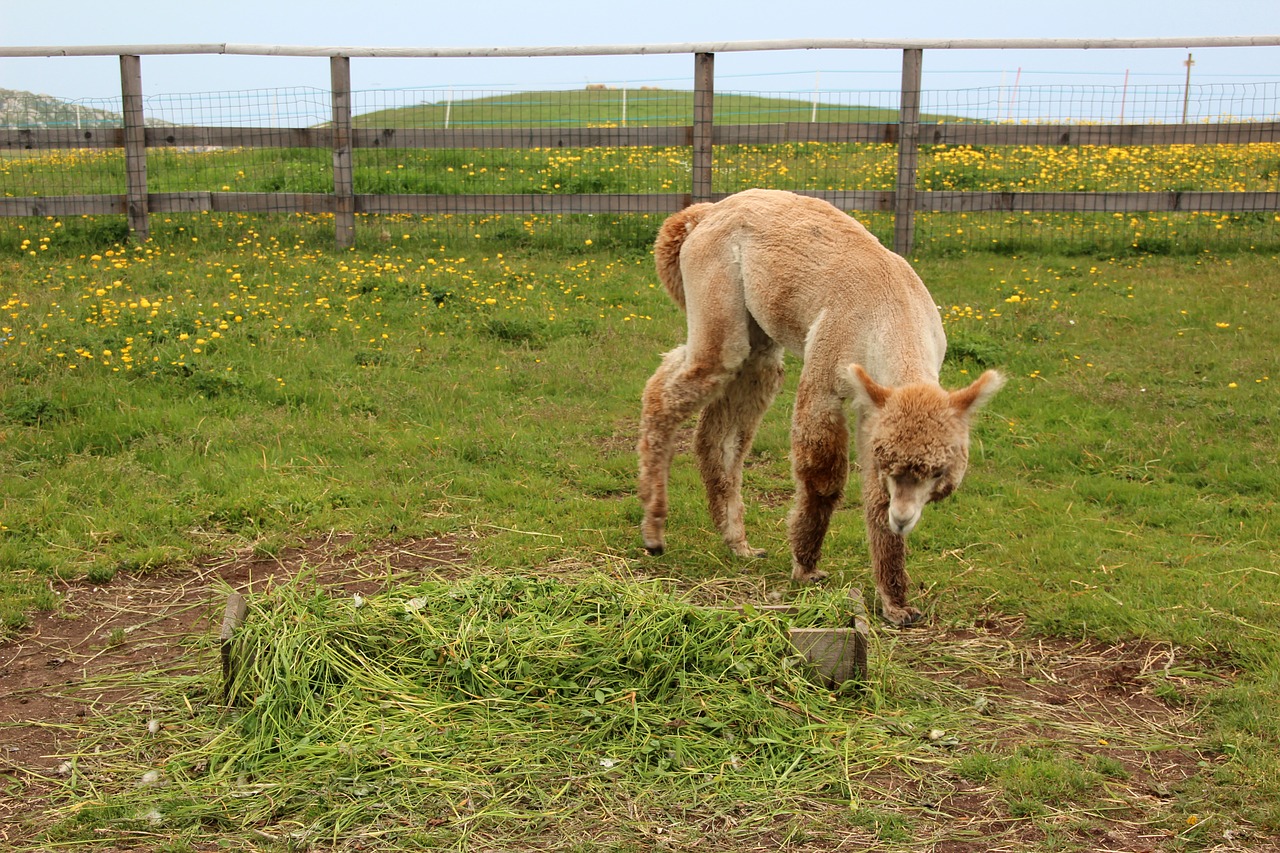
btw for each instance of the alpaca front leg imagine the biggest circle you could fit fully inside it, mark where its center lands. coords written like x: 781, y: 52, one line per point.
x: 820, y: 464
x: 888, y: 556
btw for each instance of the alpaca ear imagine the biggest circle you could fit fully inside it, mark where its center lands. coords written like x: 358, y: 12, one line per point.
x: 969, y: 400
x: 866, y: 392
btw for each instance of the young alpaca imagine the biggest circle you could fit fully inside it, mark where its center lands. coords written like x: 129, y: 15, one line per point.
x: 765, y: 271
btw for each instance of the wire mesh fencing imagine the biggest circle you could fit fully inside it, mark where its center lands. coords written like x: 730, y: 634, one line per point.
x: 1092, y: 196
x: 605, y: 164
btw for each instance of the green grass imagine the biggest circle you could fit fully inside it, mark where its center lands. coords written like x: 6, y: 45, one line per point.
x: 432, y: 382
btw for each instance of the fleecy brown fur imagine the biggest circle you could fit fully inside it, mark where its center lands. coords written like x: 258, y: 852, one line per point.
x: 763, y: 272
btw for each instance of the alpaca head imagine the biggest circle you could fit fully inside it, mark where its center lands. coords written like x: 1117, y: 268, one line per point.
x: 916, y: 438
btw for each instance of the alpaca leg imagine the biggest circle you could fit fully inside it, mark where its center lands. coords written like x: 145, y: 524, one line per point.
x: 725, y: 431
x: 888, y: 555
x: 681, y: 386
x: 820, y: 464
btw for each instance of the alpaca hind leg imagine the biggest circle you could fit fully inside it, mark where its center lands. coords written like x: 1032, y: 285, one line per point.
x: 726, y: 428
x: 820, y: 464
x: 680, y: 387
x: 888, y: 556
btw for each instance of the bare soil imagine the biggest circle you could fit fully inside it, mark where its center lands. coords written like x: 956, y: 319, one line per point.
x: 1101, y: 697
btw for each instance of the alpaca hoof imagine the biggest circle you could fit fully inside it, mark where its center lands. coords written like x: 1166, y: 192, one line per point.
x: 746, y: 550
x: 902, y: 617
x: 654, y: 550
x: 809, y: 576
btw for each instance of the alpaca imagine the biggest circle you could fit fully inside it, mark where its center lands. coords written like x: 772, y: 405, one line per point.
x: 763, y: 272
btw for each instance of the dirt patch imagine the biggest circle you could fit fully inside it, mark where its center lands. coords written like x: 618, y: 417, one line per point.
x: 1096, y: 704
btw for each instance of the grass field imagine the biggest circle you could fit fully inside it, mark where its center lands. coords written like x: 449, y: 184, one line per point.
x: 236, y: 383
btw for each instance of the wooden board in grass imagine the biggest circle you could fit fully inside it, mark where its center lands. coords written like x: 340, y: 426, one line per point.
x: 237, y: 607
x: 836, y: 654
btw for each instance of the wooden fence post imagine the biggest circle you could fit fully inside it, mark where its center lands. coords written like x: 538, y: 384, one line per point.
x: 904, y: 205
x: 703, y: 121
x: 344, y: 198
x: 135, y: 147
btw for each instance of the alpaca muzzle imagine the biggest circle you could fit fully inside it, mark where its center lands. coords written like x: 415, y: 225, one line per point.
x: 907, y: 497
x: 903, y: 522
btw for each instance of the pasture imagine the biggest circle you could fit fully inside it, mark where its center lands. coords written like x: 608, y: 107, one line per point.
x: 1098, y: 665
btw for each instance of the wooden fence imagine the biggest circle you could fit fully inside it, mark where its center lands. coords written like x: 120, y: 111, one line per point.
x: 702, y: 136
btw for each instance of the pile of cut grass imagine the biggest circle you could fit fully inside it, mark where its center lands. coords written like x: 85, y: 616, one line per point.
x: 428, y: 713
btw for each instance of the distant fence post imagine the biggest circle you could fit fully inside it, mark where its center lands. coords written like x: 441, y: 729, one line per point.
x: 135, y: 147
x: 344, y: 197
x: 904, y: 205
x: 703, y: 120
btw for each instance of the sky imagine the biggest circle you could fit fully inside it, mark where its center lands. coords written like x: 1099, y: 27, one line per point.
x: 519, y: 23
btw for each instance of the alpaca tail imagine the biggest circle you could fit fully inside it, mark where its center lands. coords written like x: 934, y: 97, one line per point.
x: 666, y: 249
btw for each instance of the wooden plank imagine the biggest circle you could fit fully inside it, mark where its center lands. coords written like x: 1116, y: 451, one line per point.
x: 1239, y: 133
x: 654, y: 203
x: 1098, y: 202
x: 865, y: 200
x: 232, y: 617
x: 135, y: 147
x: 837, y: 654
x: 523, y: 137
x: 673, y: 136
x: 239, y: 137
x: 219, y: 202
x: 44, y: 138
x: 64, y: 205
x: 754, y: 46
x: 703, y: 124
x: 805, y: 131
x: 908, y: 149
x: 522, y: 203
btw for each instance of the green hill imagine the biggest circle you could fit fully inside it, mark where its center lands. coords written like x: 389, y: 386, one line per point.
x: 644, y: 107
x: 595, y: 107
